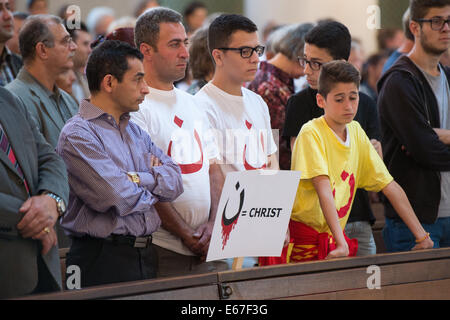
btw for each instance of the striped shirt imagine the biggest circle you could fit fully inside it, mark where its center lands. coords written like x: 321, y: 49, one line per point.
x: 98, y: 153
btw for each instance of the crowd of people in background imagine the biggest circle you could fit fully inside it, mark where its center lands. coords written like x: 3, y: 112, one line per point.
x: 93, y: 160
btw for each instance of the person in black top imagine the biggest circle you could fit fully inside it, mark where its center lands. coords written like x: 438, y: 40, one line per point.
x: 326, y: 42
x: 415, y: 124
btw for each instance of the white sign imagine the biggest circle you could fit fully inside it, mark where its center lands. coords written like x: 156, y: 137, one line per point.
x: 253, y: 214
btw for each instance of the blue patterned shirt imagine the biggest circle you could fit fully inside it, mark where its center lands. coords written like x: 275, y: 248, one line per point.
x: 98, y: 153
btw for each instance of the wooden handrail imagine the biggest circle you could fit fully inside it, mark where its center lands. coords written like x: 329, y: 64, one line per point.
x: 277, y: 273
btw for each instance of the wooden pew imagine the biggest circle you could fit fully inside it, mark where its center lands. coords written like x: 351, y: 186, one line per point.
x: 198, y: 287
x: 407, y: 275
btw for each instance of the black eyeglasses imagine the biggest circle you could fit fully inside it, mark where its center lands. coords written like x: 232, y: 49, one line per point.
x: 247, y: 52
x: 314, y: 65
x: 437, y: 23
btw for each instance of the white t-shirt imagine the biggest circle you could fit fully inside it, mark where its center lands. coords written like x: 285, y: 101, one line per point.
x: 177, y: 126
x: 242, y: 127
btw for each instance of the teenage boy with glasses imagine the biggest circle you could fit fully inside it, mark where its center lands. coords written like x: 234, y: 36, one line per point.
x: 415, y: 125
x: 326, y: 42
x: 234, y: 46
x: 239, y: 115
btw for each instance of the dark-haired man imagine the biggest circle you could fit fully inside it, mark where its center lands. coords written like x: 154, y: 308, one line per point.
x: 240, y: 115
x: 176, y: 124
x: 326, y: 42
x: 82, y: 39
x: 13, y: 42
x: 10, y: 63
x: 234, y: 45
x: 116, y: 173
x: 414, y: 110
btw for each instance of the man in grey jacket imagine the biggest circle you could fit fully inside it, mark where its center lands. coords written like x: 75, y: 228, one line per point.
x: 47, y: 51
x: 33, y: 193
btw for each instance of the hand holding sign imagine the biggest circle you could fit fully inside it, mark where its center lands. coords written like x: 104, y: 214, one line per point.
x: 253, y: 214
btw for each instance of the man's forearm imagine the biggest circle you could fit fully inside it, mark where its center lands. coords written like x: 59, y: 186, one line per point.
x: 402, y: 206
x: 172, y: 221
x: 216, y: 181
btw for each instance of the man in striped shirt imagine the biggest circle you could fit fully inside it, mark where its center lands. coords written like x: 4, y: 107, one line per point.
x: 116, y: 173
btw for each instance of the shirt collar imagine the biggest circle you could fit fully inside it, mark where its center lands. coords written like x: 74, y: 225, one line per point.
x: 88, y: 111
x: 30, y: 78
x: 6, y: 54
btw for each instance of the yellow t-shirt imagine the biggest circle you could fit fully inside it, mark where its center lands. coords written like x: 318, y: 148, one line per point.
x: 317, y: 151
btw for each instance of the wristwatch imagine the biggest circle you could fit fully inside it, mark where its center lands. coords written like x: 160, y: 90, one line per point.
x: 60, y: 205
x: 134, y: 177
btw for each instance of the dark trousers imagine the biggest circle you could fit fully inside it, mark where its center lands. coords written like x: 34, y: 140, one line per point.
x: 102, y: 262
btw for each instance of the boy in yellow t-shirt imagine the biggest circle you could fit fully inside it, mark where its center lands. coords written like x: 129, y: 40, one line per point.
x: 336, y: 157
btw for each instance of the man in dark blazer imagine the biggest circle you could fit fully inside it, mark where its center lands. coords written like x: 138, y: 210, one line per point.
x: 33, y: 193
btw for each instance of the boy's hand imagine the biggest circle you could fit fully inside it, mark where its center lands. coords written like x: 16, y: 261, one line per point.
x: 426, y: 244
x: 340, y: 251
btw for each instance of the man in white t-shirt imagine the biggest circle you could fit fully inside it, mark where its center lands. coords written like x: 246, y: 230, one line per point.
x: 241, y: 117
x: 179, y: 128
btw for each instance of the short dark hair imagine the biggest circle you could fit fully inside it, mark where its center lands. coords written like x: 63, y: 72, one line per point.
x: 110, y: 57
x: 332, y: 36
x: 191, y: 7
x: 20, y: 15
x: 222, y: 28
x: 384, y: 35
x: 419, y: 8
x: 335, y: 72
x: 147, y: 25
x: 30, y: 3
x: 36, y: 29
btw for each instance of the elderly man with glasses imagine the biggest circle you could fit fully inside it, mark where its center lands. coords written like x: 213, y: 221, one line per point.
x: 274, y: 80
x: 47, y: 51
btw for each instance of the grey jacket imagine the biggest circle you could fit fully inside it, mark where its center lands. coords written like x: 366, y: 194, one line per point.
x: 51, y: 110
x: 43, y: 170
